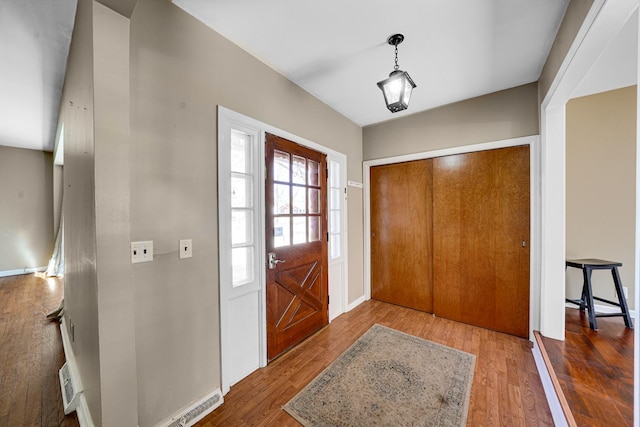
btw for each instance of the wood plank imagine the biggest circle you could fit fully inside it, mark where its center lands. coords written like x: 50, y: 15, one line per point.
x: 32, y: 353
x: 481, y: 215
x: 401, y: 234
x: 594, y: 369
x: 495, y: 399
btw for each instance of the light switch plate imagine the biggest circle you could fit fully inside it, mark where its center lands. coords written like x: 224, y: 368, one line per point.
x: 186, y: 248
x: 141, y: 251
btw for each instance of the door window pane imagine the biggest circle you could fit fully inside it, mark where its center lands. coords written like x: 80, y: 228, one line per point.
x: 280, y: 166
x: 240, y: 152
x: 242, y: 265
x: 281, y: 199
x: 334, y: 246
x: 281, y: 232
x: 334, y: 170
x: 299, y: 200
x: 299, y: 170
x: 314, y: 228
x: 314, y: 170
x: 241, y: 195
x: 241, y: 227
x: 335, y: 222
x: 335, y: 198
x: 299, y: 229
x: 314, y: 201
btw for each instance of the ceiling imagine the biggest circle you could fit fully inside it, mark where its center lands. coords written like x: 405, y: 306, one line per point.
x: 337, y: 51
x: 34, y: 44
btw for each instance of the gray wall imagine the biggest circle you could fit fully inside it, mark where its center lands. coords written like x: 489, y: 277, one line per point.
x: 80, y: 283
x: 139, y: 109
x: 26, y: 208
x: 180, y: 72
x: 502, y: 115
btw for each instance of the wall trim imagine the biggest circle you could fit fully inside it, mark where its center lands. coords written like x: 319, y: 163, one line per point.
x: 533, y: 141
x: 557, y: 413
x: 82, y: 410
x: 194, y: 412
x: 357, y: 302
x: 20, y: 271
x: 602, y: 308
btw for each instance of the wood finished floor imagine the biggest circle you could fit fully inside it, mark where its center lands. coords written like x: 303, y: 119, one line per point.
x: 506, y: 387
x: 595, y: 369
x: 31, y: 353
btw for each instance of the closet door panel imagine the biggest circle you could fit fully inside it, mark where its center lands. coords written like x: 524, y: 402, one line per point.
x: 480, y: 219
x: 401, y: 234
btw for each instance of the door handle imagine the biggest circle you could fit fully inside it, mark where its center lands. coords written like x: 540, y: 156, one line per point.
x: 273, y: 262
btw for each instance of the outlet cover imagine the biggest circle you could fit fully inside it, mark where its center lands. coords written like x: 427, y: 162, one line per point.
x: 186, y: 248
x: 141, y: 251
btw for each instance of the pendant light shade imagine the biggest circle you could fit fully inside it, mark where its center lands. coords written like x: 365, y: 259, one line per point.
x: 397, y: 88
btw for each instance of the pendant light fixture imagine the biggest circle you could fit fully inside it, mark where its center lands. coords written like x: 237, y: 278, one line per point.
x: 397, y: 88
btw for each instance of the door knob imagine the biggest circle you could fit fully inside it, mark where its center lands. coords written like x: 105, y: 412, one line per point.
x: 273, y: 262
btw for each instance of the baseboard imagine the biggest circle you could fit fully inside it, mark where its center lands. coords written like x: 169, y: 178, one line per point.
x: 194, y: 412
x: 356, y: 303
x: 20, y: 271
x: 603, y: 308
x: 558, y: 405
x: 82, y: 410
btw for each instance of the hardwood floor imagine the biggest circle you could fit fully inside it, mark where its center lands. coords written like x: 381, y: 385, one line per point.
x: 506, y: 387
x: 595, y: 369
x: 31, y: 353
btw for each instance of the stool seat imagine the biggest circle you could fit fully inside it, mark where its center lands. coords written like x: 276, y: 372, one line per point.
x: 587, y: 265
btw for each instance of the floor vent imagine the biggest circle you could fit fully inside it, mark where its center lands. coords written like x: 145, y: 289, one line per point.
x: 197, y: 412
x: 70, y: 392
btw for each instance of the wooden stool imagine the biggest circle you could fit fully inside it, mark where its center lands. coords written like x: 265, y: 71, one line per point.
x: 586, y: 301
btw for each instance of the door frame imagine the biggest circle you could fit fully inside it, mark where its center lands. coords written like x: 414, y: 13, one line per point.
x: 535, y: 209
x: 228, y: 120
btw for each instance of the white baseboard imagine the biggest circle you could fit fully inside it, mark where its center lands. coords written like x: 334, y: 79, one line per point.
x: 82, y: 410
x: 603, y: 308
x: 356, y: 303
x: 552, y: 398
x: 195, y: 411
x: 20, y: 271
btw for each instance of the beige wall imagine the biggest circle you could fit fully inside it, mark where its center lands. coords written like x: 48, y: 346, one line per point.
x: 601, y: 141
x: 502, y: 115
x: 80, y: 283
x: 26, y: 208
x: 180, y: 72
x: 574, y: 16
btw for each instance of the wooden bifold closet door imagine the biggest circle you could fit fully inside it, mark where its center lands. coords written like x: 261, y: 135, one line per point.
x: 458, y: 230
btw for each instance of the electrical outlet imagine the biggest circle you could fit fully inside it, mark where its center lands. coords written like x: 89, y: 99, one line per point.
x: 141, y: 251
x: 186, y: 248
x: 626, y: 292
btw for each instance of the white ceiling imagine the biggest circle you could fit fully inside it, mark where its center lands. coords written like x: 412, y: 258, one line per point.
x: 337, y: 50
x: 34, y: 43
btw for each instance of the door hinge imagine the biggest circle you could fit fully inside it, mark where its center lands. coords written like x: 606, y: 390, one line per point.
x: 327, y: 299
x: 327, y: 236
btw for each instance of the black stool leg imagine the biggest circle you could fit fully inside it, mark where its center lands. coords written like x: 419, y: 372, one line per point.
x: 623, y: 301
x: 589, y: 298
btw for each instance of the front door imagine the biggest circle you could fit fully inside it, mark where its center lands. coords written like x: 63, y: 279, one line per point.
x: 296, y: 243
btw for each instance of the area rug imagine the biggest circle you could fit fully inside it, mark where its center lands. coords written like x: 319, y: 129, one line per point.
x: 389, y: 378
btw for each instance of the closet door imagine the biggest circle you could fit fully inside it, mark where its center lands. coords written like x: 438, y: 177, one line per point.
x: 401, y: 234
x: 481, y: 240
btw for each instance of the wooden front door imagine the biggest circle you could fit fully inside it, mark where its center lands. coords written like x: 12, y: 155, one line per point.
x: 481, y: 246
x: 401, y: 234
x: 296, y: 243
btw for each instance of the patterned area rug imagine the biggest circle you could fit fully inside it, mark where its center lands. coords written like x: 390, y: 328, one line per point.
x: 389, y: 378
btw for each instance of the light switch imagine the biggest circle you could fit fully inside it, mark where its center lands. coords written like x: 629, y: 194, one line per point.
x: 141, y: 251
x: 186, y: 248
